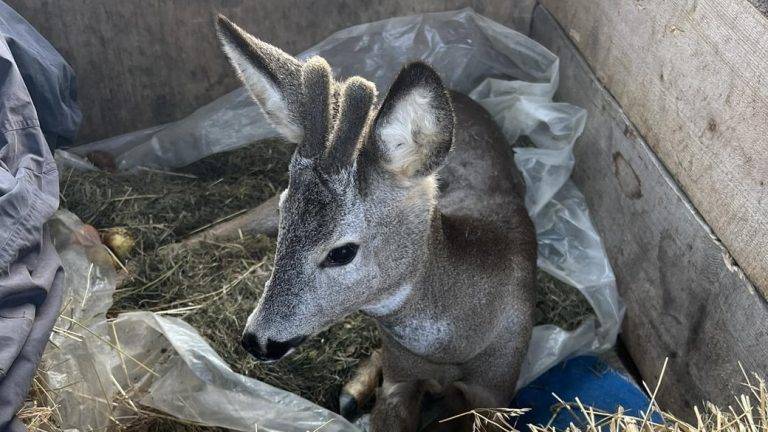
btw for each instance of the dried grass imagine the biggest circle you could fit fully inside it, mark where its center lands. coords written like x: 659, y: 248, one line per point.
x: 559, y: 303
x: 39, y: 411
x: 214, y: 287
x: 749, y: 414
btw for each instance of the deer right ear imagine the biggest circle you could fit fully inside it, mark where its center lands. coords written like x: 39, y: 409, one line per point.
x: 271, y: 76
x: 413, y: 131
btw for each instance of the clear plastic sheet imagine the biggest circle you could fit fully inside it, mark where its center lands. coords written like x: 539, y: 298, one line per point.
x: 195, y: 384
x: 511, y: 75
x: 77, y: 362
x: 104, y: 371
x: 569, y: 247
x: 463, y: 46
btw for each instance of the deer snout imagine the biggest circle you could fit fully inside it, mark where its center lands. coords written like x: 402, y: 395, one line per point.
x: 272, y: 350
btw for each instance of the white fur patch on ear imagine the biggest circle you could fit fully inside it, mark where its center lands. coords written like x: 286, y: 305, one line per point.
x: 265, y: 91
x: 411, y: 118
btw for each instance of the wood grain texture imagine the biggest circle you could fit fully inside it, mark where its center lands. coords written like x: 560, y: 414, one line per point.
x: 693, y: 76
x: 140, y: 63
x: 684, y: 299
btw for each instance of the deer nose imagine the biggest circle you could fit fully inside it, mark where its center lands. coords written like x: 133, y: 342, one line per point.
x: 273, y: 350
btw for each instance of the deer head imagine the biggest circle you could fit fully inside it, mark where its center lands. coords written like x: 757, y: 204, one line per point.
x: 355, y: 219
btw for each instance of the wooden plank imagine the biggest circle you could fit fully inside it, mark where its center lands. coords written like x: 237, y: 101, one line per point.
x: 140, y: 63
x: 685, y: 300
x: 693, y: 76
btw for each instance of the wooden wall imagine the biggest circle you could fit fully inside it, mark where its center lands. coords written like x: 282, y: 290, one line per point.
x: 692, y: 75
x: 685, y: 301
x: 144, y: 62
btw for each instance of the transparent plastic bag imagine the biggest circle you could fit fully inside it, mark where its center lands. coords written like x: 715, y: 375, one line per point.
x: 102, y: 371
x: 464, y: 47
x: 195, y: 384
x: 514, y: 78
x: 76, y: 363
x: 569, y: 247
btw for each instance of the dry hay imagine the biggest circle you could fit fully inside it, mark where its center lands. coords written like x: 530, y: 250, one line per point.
x: 214, y: 287
x: 749, y: 414
x: 559, y: 303
x: 39, y: 412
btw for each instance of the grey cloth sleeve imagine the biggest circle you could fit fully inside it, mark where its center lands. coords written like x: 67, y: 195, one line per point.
x: 49, y: 79
x: 31, y: 277
x: 30, y: 299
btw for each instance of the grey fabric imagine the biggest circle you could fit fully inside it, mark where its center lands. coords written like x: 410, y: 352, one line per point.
x: 30, y: 299
x: 30, y: 271
x: 49, y: 79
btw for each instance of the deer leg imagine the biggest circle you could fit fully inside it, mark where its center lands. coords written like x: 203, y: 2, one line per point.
x: 263, y: 219
x: 488, y: 381
x: 358, y: 391
x: 452, y: 410
x: 398, y: 406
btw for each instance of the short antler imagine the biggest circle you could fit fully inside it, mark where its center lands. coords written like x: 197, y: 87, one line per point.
x: 335, y: 116
x: 357, y: 98
x: 316, y: 86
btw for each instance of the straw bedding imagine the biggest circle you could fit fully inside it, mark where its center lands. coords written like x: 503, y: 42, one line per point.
x: 215, y: 286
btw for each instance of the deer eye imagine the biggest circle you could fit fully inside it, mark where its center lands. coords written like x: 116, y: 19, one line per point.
x: 340, y: 256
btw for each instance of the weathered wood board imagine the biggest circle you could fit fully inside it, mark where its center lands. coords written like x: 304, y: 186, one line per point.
x: 140, y: 63
x: 684, y: 299
x: 693, y: 77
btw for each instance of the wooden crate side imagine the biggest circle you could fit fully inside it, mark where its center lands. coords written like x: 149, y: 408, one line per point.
x: 140, y: 63
x: 693, y: 77
x: 685, y: 301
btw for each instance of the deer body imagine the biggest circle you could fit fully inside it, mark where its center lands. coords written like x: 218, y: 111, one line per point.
x: 407, y: 210
x: 476, y: 285
x: 468, y: 316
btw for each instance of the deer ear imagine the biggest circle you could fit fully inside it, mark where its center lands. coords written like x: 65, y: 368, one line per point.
x: 271, y: 76
x: 413, y: 131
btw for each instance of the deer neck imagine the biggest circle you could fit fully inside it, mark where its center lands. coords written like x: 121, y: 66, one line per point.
x: 412, y: 294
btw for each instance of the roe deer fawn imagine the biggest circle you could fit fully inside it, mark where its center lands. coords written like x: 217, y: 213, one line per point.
x: 409, y: 211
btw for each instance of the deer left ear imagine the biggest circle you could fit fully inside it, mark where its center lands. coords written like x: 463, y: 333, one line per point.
x: 413, y: 131
x: 271, y: 76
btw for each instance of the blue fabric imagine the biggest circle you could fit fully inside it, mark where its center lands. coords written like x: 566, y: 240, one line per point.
x: 590, y: 380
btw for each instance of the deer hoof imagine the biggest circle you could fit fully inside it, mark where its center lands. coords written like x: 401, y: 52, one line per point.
x: 348, y: 406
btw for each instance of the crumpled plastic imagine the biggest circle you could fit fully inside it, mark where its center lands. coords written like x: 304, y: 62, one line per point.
x: 513, y: 77
x: 76, y: 361
x: 106, y: 371
x: 569, y: 247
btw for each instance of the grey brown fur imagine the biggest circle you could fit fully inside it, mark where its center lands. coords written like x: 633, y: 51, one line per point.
x: 449, y: 280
